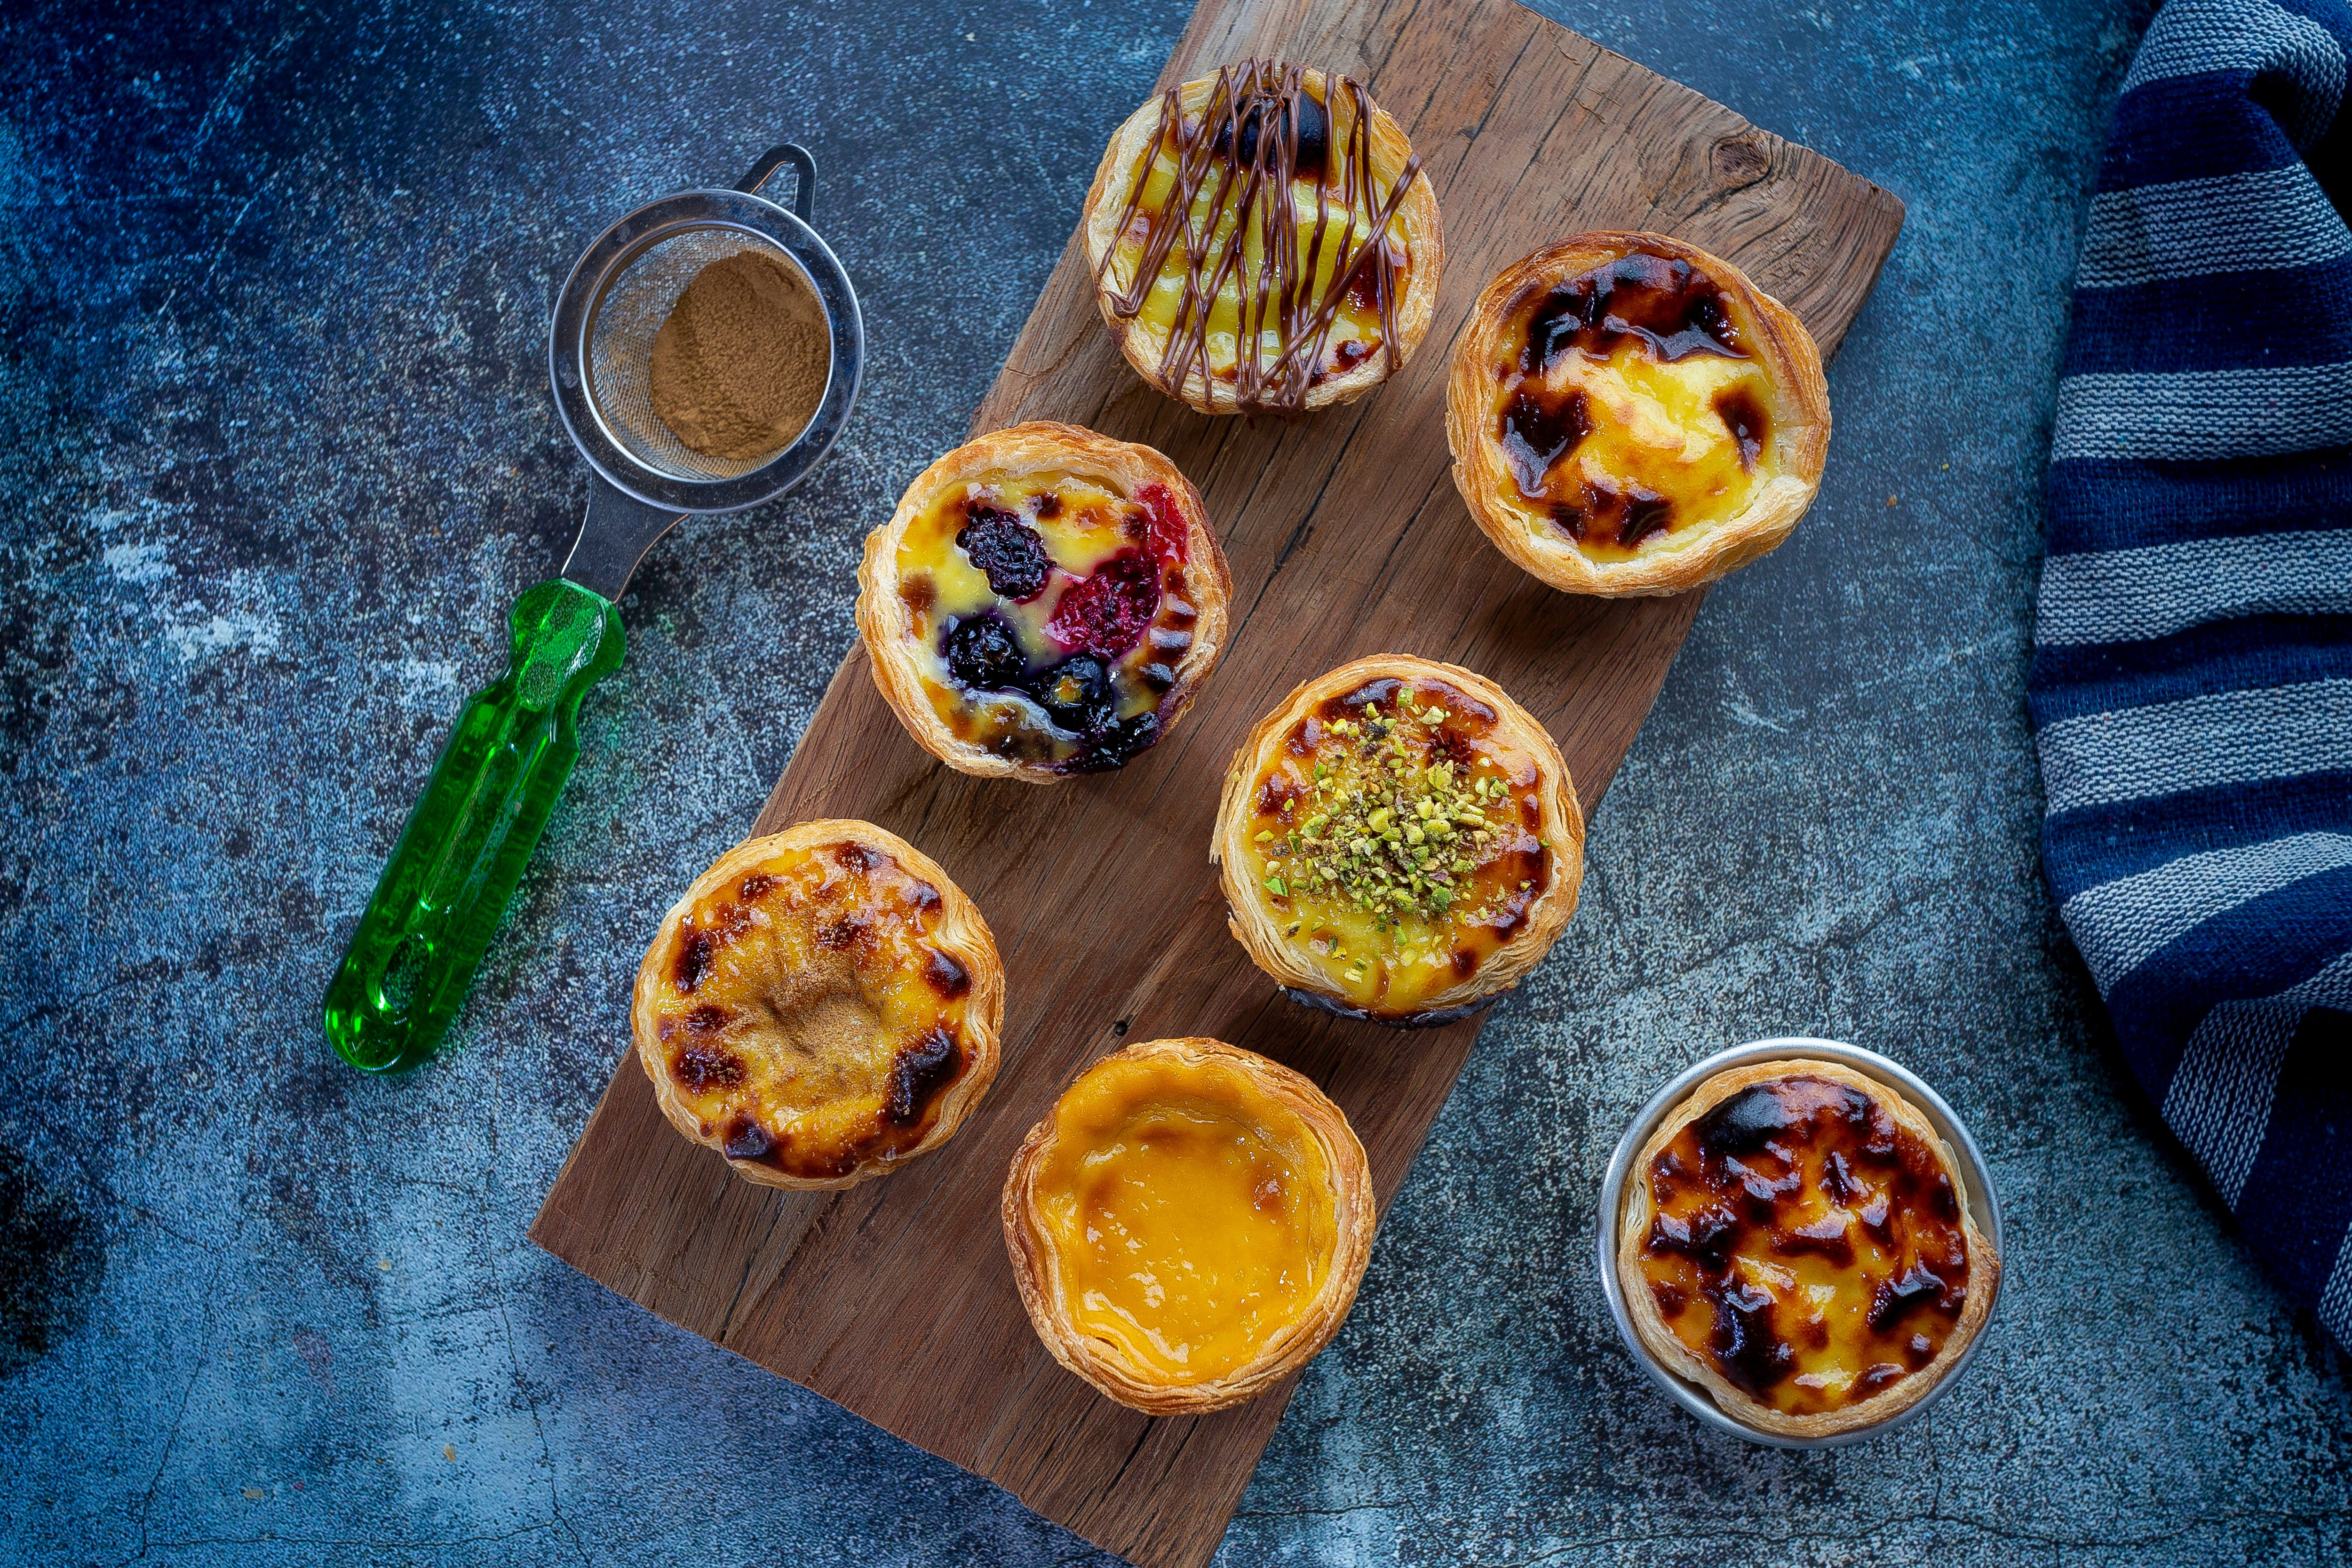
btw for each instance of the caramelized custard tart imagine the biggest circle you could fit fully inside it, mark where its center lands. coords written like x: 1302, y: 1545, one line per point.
x: 1044, y: 601
x: 1189, y: 1224
x: 1264, y: 240
x: 1399, y: 841
x: 821, y: 1007
x: 1797, y: 1239
x: 1631, y: 415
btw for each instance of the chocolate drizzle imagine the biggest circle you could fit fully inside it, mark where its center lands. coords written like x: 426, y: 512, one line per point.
x: 1261, y: 129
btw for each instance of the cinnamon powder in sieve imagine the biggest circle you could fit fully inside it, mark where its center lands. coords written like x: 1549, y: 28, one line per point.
x: 740, y: 365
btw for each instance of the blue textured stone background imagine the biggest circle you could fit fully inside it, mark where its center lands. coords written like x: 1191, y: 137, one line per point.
x: 279, y: 452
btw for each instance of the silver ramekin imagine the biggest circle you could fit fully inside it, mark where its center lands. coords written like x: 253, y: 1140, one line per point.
x: 1982, y: 1205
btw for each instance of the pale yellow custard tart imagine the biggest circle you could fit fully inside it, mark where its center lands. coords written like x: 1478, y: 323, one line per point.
x: 1399, y: 841
x: 1264, y: 240
x: 1629, y: 414
x: 1189, y: 1224
x: 823, y: 1005
x: 1044, y: 601
x: 1796, y: 1238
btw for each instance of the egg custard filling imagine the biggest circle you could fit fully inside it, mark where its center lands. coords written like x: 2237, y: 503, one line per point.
x: 1805, y: 1245
x: 1629, y: 412
x: 1190, y: 1216
x: 1258, y: 245
x: 1398, y: 836
x: 1050, y: 615
x: 806, y: 1014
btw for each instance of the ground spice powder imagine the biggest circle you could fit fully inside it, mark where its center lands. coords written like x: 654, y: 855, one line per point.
x: 740, y: 365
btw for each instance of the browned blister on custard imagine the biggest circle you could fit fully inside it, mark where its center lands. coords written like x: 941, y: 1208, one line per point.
x: 1809, y: 1247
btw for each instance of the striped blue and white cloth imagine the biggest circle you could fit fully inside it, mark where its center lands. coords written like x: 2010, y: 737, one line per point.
x: 2191, y: 692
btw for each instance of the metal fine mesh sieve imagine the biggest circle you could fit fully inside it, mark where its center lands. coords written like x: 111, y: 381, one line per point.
x: 601, y: 342
x: 621, y: 331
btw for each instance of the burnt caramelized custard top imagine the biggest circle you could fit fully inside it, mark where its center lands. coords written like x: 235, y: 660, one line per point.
x: 1398, y: 839
x: 1628, y: 406
x: 1052, y: 612
x: 808, y: 1017
x: 1256, y: 245
x: 1806, y: 1245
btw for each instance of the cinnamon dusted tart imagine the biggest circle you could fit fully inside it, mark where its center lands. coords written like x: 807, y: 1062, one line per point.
x: 1264, y: 240
x: 1045, y: 601
x: 1631, y: 415
x: 1399, y: 841
x: 820, y: 1006
x: 1188, y: 1226
x: 1797, y: 1239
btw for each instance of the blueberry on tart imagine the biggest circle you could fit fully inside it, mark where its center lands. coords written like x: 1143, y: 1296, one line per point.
x: 1399, y: 841
x: 1188, y: 1225
x: 823, y: 1005
x: 1798, y: 1240
x: 1629, y: 414
x: 1264, y: 240
x: 1044, y: 601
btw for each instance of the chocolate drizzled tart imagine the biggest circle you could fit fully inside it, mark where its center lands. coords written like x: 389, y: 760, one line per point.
x: 1399, y: 841
x: 1799, y: 1239
x: 1264, y: 240
x: 1189, y: 1224
x: 823, y: 1005
x: 1629, y: 414
x: 1045, y: 601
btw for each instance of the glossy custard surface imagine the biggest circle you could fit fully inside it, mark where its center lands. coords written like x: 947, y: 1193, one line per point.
x: 808, y: 1017
x: 1192, y: 1216
x: 1271, y: 228
x: 1805, y: 1245
x: 1398, y: 836
x: 1628, y: 407
x: 1049, y: 614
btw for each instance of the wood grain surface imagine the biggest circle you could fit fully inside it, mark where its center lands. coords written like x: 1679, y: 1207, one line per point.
x: 1346, y: 538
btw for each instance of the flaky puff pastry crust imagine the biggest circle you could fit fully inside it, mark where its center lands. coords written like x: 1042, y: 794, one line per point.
x: 1641, y: 1307
x: 1416, y: 304
x: 885, y: 624
x: 866, y: 1148
x: 1258, y: 925
x: 1799, y: 406
x: 1036, y: 1266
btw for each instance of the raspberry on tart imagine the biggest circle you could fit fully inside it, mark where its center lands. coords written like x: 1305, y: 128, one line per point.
x: 1399, y: 841
x: 1044, y: 601
x: 1796, y: 1238
x: 1264, y: 240
x: 823, y: 1005
x: 1629, y: 414
x: 1188, y: 1225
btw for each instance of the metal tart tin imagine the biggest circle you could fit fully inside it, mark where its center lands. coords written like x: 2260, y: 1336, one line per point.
x: 1982, y: 1204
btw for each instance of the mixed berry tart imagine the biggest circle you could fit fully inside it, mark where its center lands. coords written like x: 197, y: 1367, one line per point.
x: 1264, y: 240
x: 1188, y: 1225
x: 1399, y: 841
x: 1044, y: 601
x: 823, y: 1005
x: 1631, y: 415
x: 1797, y: 1239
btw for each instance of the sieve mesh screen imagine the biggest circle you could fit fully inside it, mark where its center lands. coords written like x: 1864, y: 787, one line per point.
x: 621, y: 349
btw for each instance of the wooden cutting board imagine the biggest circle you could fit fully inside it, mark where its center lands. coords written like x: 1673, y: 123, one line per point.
x: 1346, y: 538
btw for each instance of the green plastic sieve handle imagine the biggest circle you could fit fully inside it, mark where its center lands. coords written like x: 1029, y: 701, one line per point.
x: 464, y: 849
